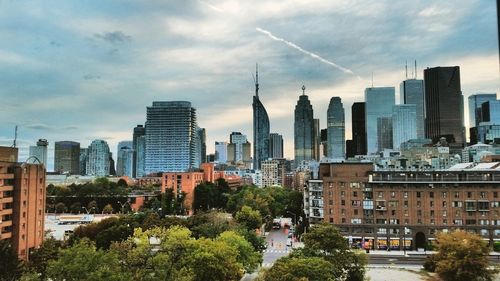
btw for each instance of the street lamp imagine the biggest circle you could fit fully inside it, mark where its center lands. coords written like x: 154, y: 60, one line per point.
x: 123, y: 205
x: 404, y: 240
x: 86, y: 210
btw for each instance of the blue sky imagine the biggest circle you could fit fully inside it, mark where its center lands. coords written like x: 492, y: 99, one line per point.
x: 81, y: 70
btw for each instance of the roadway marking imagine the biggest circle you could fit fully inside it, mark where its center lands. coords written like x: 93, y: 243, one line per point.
x: 277, y: 251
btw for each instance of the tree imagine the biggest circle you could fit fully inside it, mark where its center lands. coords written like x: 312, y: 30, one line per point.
x: 108, y: 209
x: 93, y: 206
x: 40, y: 257
x: 76, y: 207
x: 61, y: 208
x: 83, y: 262
x: 461, y: 256
x: 247, y: 256
x: 249, y: 218
x: 10, y: 266
x: 301, y: 268
x: 122, y: 183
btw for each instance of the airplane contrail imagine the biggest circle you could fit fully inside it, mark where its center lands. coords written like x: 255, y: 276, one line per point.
x: 313, y: 55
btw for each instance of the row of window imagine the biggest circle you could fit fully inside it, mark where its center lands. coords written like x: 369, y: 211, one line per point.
x: 419, y: 194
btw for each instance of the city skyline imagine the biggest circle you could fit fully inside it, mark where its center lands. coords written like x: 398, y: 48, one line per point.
x: 90, y: 71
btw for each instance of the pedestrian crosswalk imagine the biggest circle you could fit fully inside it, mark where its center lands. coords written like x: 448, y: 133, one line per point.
x: 267, y: 265
x: 277, y: 251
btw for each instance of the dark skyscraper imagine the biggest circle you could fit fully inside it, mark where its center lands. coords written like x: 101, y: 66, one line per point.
x: 138, y: 161
x: 304, y: 129
x: 260, y: 128
x: 444, y: 106
x: 358, y: 128
x: 336, y: 128
x: 316, y: 140
x: 67, y: 157
x: 275, y: 146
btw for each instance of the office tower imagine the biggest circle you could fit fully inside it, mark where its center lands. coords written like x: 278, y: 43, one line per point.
x: 324, y: 142
x: 231, y: 151
x: 139, y: 131
x: 125, y: 159
x: 378, y: 104
x: 358, y: 128
x: 412, y: 92
x: 98, y: 155
x: 336, y: 128
x: 140, y: 154
x: 23, y: 193
x: 384, y: 133
x: 488, y: 129
x: 260, y: 128
x: 202, y: 138
x: 275, y: 145
x: 39, y: 151
x: 67, y: 157
x: 404, y: 127
x: 247, y: 154
x: 170, y: 137
x: 444, y: 106
x: 316, y: 140
x: 349, y: 149
x: 112, y: 169
x: 490, y: 112
x: 83, y: 160
x: 238, y: 139
x: 303, y: 129
x: 475, y: 111
x: 220, y: 152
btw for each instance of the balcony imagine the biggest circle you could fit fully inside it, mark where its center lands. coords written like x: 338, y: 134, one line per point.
x: 6, y: 212
x: 6, y: 188
x: 6, y: 235
x: 6, y: 176
x: 6, y: 200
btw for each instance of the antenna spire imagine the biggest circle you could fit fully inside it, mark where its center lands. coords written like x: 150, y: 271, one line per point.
x: 372, y: 79
x: 303, y: 90
x: 256, y: 79
x: 415, y: 69
x: 406, y: 69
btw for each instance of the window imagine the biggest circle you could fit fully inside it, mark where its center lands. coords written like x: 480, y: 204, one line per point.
x: 356, y: 221
x: 343, y: 220
x: 354, y: 194
x: 393, y: 212
x: 457, y: 194
x: 380, y: 194
x: 419, y: 194
x: 381, y: 231
x: 445, y: 221
x: 457, y: 204
x: 419, y: 204
x: 342, y: 193
x: 469, y: 194
x: 431, y: 194
x: 393, y: 194
x: 445, y: 213
x: 445, y: 204
x: 405, y: 194
x: 355, y: 212
x: 419, y: 212
x: 342, y: 212
x: 330, y: 202
x: 432, y: 213
x: 331, y: 220
x: 482, y: 194
x: 431, y: 203
x: 342, y: 202
x: 406, y: 213
x: 443, y: 194
x: 405, y: 204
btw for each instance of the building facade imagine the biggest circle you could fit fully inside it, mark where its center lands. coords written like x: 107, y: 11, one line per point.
x: 336, y: 129
x: 171, y: 137
x: 303, y: 129
x: 404, y: 126
x: 67, y: 157
x: 221, y: 152
x: 125, y: 159
x: 261, y: 129
x: 275, y: 145
x: 475, y: 110
x: 412, y: 92
x: 358, y: 128
x: 444, y: 106
x: 378, y: 105
x: 39, y: 151
x: 98, y: 159
x: 138, y: 145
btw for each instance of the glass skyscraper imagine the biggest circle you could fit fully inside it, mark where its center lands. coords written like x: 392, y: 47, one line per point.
x: 275, y: 145
x: 336, y: 128
x: 67, y: 157
x: 378, y: 104
x: 412, y: 92
x: 171, y: 137
x: 403, y: 124
x: 125, y: 159
x: 303, y: 129
x: 39, y: 151
x: 261, y: 129
x: 139, y: 131
x: 98, y: 159
x: 475, y: 111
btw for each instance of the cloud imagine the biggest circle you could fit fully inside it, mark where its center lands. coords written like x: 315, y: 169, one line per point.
x: 115, y: 37
x: 313, y: 55
x: 91, y: 77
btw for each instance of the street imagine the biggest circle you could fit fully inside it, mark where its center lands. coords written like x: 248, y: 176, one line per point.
x: 276, y: 246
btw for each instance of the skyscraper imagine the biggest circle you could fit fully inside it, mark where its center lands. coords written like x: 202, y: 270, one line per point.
x: 412, y: 92
x: 404, y: 126
x: 384, y: 133
x: 336, y: 128
x: 202, y: 138
x: 67, y: 157
x: 221, y: 152
x: 444, y: 106
x: 238, y: 139
x: 260, y: 128
x: 39, y: 151
x: 475, y: 111
x: 303, y: 129
x: 138, y: 161
x: 275, y: 146
x: 378, y: 104
x: 170, y: 137
x: 490, y: 112
x: 125, y: 159
x: 316, y: 140
x: 358, y: 128
x: 83, y: 160
x: 98, y: 155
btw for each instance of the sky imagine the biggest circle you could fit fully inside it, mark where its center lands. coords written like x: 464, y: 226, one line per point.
x: 85, y: 70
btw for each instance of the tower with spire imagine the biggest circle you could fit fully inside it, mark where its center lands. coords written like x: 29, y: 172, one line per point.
x: 303, y: 129
x: 260, y: 127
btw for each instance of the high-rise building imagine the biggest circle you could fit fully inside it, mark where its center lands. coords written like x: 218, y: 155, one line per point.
x: 23, y: 193
x: 412, y: 92
x: 83, y: 160
x: 444, y: 106
x: 275, y: 146
x: 475, y: 111
x: 323, y: 142
x: 303, y: 129
x: 404, y: 126
x: 358, y: 128
x: 221, y: 152
x: 112, y: 169
x: 336, y: 128
x: 260, y: 129
x: 202, y: 138
x: 378, y: 104
x: 140, y: 154
x: 39, y: 151
x: 316, y: 140
x: 238, y: 139
x: 98, y: 156
x: 138, y: 161
x: 67, y: 157
x: 171, y: 137
x: 384, y: 133
x: 125, y: 159
x: 490, y: 112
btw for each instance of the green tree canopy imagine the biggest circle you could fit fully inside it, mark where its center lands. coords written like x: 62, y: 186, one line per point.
x: 10, y: 266
x: 248, y: 217
x: 300, y: 269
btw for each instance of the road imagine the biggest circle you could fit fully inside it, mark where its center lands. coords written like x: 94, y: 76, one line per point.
x: 411, y: 260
